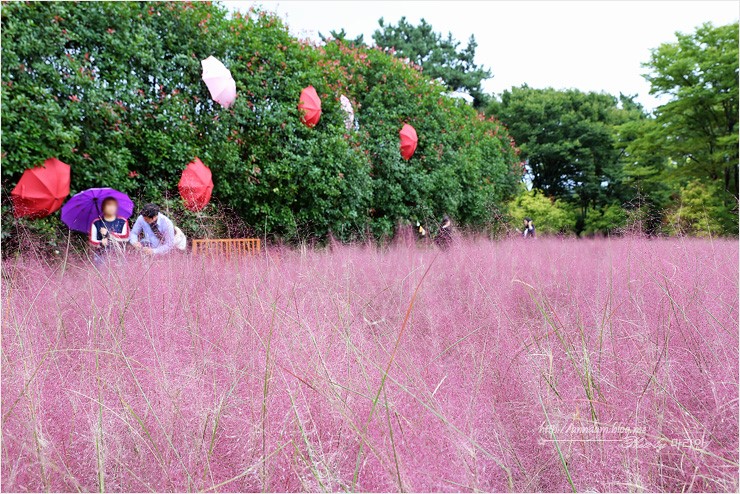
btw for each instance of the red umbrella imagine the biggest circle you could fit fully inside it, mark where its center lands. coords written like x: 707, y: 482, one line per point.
x: 310, y: 106
x: 196, y: 185
x: 408, y: 141
x: 41, y: 190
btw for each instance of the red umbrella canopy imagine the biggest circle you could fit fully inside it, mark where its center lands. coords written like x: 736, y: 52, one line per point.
x: 310, y: 106
x: 196, y: 185
x: 41, y: 190
x: 408, y: 141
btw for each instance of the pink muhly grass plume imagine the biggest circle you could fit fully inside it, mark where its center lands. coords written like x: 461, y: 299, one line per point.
x: 551, y: 365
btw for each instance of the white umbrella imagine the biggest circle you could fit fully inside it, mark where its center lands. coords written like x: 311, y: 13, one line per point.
x: 349, y: 119
x: 219, y: 81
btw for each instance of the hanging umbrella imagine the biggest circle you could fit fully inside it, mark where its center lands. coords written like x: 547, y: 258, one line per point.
x: 84, y: 207
x: 196, y: 185
x: 310, y: 106
x: 41, y: 190
x: 219, y: 81
x: 349, y: 119
x: 408, y: 141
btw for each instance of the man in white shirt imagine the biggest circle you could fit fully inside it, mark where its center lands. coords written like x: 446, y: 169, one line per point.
x: 158, y: 231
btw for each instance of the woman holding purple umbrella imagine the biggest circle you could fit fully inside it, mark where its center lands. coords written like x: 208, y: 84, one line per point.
x: 109, y: 232
x: 101, y: 213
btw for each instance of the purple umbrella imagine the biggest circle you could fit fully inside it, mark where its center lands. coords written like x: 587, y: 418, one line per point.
x: 84, y: 207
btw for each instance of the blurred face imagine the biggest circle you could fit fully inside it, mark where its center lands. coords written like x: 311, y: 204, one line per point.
x: 151, y: 220
x: 110, y: 208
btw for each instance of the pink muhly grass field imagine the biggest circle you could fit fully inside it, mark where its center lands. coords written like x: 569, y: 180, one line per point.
x: 549, y: 365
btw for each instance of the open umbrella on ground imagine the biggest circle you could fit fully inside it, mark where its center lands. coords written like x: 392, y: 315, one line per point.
x: 196, y: 185
x: 310, y: 106
x: 85, y: 207
x: 219, y: 81
x: 41, y: 190
x: 408, y: 141
x: 349, y: 112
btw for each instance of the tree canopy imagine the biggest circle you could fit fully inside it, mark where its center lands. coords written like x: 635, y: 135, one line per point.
x: 690, y: 149
x: 440, y: 57
x: 568, y: 142
x: 698, y: 127
x: 601, y: 152
x: 114, y: 89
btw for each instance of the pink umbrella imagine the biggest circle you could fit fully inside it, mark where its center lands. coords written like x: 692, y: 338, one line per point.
x: 349, y: 112
x: 219, y: 81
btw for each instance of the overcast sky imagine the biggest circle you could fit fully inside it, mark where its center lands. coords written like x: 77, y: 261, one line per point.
x: 589, y: 45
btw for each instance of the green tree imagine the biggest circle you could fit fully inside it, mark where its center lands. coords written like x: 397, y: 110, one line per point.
x: 646, y: 171
x: 568, y: 140
x: 341, y: 35
x: 115, y: 90
x: 700, y: 211
x: 698, y: 127
x: 440, y: 57
x: 551, y: 216
x: 607, y: 220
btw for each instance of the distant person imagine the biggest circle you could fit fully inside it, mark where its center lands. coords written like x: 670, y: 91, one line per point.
x: 421, y: 230
x: 109, y: 232
x: 157, y: 229
x: 528, y: 231
x: 444, y: 237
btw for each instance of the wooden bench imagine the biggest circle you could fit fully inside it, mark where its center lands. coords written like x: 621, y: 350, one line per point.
x: 226, y: 246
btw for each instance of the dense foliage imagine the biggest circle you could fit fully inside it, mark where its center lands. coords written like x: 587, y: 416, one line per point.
x: 553, y: 216
x: 440, y: 57
x: 568, y: 141
x: 114, y: 89
x: 698, y: 128
x: 676, y: 170
x: 692, y: 143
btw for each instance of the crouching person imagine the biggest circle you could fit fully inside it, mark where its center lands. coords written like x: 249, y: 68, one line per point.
x: 157, y: 230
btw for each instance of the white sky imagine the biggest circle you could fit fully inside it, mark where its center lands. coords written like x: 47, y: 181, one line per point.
x: 588, y: 45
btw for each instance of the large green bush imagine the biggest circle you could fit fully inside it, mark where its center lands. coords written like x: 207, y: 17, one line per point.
x: 700, y: 211
x: 114, y: 89
x: 551, y: 216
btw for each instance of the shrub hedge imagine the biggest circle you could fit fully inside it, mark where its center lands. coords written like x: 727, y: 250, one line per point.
x: 115, y: 90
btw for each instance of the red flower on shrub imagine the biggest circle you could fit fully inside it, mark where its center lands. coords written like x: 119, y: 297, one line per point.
x: 74, y: 98
x: 133, y: 174
x: 111, y: 30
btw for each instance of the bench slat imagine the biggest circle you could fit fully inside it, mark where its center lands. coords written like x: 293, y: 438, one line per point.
x: 226, y: 246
